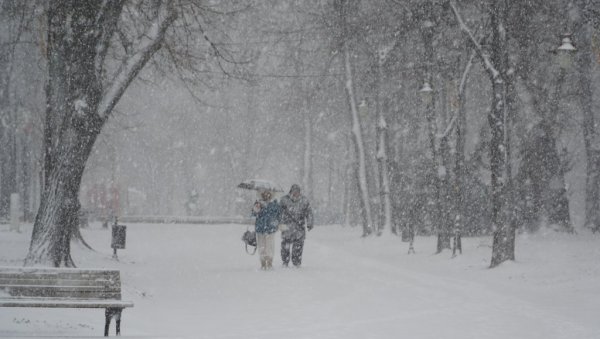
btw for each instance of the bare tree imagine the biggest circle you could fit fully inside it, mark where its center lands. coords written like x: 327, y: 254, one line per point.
x: 83, y: 88
x: 344, y: 8
x: 497, y: 68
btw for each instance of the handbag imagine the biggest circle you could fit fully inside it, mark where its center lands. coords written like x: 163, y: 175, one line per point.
x: 249, y: 239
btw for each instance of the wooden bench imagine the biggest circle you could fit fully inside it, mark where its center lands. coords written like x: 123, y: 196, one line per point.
x: 64, y: 288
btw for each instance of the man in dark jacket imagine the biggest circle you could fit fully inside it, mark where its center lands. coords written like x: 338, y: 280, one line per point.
x: 296, y: 214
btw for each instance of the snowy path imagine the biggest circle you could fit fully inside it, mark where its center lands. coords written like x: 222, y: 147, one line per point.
x: 197, y: 282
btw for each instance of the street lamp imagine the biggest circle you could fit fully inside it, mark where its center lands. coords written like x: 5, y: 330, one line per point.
x: 565, y: 51
x: 426, y: 93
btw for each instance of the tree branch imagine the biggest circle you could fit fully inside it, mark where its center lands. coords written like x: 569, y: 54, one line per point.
x: 461, y: 90
x: 148, y: 44
x: 487, y: 63
x: 105, y: 25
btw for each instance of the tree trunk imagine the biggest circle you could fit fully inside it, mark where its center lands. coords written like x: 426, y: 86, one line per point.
x: 361, y: 170
x: 503, y: 247
x: 385, y: 217
x: 348, y: 184
x: 307, y: 176
x: 386, y: 208
x: 57, y: 216
x: 556, y: 199
x: 590, y: 135
x: 503, y: 222
x: 435, y: 183
x: 445, y: 222
x: 461, y: 132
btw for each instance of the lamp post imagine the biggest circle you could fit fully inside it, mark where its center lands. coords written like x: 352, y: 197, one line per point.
x: 426, y: 94
x: 565, y: 52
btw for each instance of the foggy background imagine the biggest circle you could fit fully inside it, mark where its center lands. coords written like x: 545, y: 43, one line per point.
x: 180, y: 141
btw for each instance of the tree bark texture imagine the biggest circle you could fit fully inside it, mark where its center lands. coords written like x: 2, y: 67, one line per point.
x: 385, y: 218
x: 435, y: 163
x: 589, y: 126
x: 503, y: 247
x: 307, y: 177
x: 361, y: 170
x: 460, y: 160
x: 386, y: 208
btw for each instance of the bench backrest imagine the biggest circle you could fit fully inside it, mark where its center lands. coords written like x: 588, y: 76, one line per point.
x: 63, y: 283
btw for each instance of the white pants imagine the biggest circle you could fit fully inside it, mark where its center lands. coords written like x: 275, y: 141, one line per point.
x: 266, y: 245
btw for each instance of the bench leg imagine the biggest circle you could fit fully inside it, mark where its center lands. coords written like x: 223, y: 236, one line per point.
x: 118, y: 321
x: 108, y: 316
x: 109, y: 313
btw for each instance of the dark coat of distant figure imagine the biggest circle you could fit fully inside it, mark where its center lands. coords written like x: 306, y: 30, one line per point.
x: 297, y: 215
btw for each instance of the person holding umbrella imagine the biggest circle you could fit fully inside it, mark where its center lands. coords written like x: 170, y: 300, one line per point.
x: 267, y: 213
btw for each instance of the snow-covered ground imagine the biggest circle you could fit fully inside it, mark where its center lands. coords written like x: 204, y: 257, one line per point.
x: 196, y: 281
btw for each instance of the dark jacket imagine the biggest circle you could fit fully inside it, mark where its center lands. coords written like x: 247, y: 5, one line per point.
x: 267, y: 217
x: 296, y: 214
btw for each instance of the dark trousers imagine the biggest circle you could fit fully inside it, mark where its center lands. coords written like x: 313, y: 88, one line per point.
x: 296, y: 247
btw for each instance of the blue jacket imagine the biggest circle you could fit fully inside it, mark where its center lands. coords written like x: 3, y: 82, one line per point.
x: 267, y: 219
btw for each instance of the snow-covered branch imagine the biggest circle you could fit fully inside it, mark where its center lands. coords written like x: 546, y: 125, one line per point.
x: 463, y: 79
x: 448, y: 128
x: 487, y: 63
x: 461, y: 90
x: 105, y: 25
x: 148, y: 44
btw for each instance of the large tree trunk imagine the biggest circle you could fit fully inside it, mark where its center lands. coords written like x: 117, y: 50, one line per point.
x: 435, y: 182
x: 57, y: 216
x: 445, y: 186
x: 503, y: 247
x: 385, y: 218
x: 79, y: 33
x: 386, y: 208
x: 497, y: 67
x: 590, y: 135
x: 461, y: 132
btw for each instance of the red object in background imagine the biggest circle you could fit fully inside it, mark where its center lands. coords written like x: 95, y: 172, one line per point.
x: 102, y: 201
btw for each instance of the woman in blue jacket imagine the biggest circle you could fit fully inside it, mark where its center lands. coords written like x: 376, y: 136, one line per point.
x: 266, y: 212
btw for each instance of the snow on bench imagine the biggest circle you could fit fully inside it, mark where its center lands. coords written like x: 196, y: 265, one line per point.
x: 64, y: 288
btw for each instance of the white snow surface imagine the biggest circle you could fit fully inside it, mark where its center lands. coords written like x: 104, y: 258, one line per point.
x: 196, y: 281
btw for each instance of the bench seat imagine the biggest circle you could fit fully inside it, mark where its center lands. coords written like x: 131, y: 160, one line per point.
x: 64, y: 288
x: 61, y: 303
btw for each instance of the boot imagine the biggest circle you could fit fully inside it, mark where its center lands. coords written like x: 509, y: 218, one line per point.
x: 269, y: 263
x: 263, y: 264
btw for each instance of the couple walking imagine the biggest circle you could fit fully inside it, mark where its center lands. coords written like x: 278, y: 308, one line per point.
x: 291, y: 216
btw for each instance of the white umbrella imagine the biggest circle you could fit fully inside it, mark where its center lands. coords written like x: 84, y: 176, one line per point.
x: 260, y: 185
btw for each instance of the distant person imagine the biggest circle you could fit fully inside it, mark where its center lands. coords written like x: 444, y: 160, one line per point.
x: 296, y: 216
x: 267, y: 220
